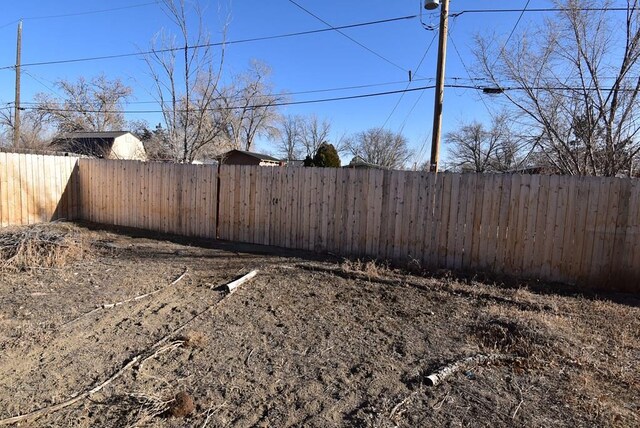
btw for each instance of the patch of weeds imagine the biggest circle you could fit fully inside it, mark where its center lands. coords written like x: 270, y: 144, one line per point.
x: 370, y: 268
x: 41, y: 246
x: 194, y: 339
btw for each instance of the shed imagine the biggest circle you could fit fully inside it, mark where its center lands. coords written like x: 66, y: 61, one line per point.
x: 107, y: 145
x: 241, y: 157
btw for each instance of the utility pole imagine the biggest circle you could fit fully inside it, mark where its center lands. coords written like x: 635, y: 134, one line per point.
x: 439, y: 96
x: 16, y: 122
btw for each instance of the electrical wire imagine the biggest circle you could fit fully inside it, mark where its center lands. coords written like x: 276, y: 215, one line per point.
x: 278, y: 94
x: 253, y: 107
x: 231, y: 42
x: 409, y: 84
x: 350, y: 97
x: 513, y: 30
x: 464, y: 65
x: 91, y: 12
x: 337, y: 29
x: 543, y: 10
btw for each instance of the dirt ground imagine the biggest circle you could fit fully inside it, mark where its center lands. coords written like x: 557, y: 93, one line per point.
x: 308, y: 342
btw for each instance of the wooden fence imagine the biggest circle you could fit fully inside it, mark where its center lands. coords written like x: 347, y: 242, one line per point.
x: 164, y: 197
x: 558, y: 228
x: 36, y: 188
x: 572, y: 229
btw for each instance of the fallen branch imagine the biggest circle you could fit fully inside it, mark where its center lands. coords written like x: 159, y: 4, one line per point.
x: 133, y: 299
x: 400, y: 404
x: 142, y: 296
x: 233, y: 285
x: 444, y: 372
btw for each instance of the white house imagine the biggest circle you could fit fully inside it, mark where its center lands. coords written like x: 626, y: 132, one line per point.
x: 107, y: 145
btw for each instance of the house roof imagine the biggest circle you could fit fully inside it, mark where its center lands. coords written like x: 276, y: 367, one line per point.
x: 258, y: 156
x: 104, y: 134
x: 96, y: 144
x: 358, y: 162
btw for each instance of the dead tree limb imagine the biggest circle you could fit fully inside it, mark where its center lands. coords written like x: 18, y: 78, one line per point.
x: 444, y: 372
x: 133, y: 299
x: 233, y: 285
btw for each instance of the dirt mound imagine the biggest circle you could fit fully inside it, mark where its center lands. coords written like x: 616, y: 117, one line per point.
x: 523, y: 338
x: 182, y: 405
x: 44, y: 245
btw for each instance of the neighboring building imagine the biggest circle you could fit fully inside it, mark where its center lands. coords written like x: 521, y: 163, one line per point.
x: 359, y: 163
x: 241, y: 157
x: 205, y: 162
x: 107, y: 145
x: 295, y: 163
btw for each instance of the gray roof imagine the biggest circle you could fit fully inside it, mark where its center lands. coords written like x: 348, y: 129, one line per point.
x: 104, y: 134
x: 258, y: 156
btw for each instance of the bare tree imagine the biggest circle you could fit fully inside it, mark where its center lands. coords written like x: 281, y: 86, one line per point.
x: 381, y: 147
x: 248, y: 107
x: 289, y: 138
x: 186, y: 77
x: 95, y: 105
x: 34, y: 131
x: 576, y: 84
x: 479, y: 149
x: 313, y: 133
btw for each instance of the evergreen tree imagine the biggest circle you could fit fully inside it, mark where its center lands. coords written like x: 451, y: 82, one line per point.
x: 326, y: 157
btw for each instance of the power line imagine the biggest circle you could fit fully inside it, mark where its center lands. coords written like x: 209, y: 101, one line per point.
x: 279, y: 104
x: 513, y: 30
x: 278, y: 94
x: 352, y: 97
x: 91, y: 12
x: 466, y: 69
x: 39, y: 81
x: 409, y: 84
x: 231, y: 42
x: 387, y: 60
x: 543, y: 10
x: 10, y: 23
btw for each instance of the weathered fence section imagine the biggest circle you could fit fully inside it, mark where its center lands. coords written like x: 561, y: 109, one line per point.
x: 37, y: 188
x: 164, y: 197
x: 559, y: 228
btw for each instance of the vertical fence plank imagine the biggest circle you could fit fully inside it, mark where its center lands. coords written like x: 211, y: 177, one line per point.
x: 452, y: 225
x: 14, y: 185
x: 24, y: 188
x: 472, y: 261
x: 530, y: 225
x: 632, y: 239
x: 539, y: 238
x: 427, y: 226
x: 600, y: 230
x: 470, y: 205
x: 609, y: 240
x: 461, y: 220
x: 558, y: 229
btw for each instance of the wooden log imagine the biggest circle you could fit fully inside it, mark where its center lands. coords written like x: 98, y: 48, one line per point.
x: 444, y: 372
x: 233, y: 285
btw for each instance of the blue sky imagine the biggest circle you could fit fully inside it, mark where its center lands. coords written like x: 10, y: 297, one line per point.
x: 311, y: 62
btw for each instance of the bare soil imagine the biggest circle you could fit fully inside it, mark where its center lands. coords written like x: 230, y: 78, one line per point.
x: 308, y: 342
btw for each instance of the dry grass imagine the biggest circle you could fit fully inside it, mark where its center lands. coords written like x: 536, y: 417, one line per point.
x: 194, y: 339
x: 370, y: 268
x: 41, y: 246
